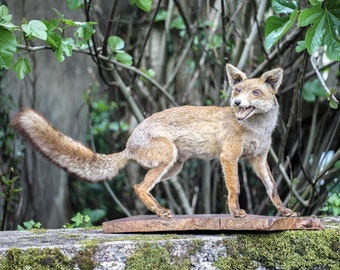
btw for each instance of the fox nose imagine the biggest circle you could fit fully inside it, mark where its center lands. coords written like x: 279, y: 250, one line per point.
x: 237, y: 102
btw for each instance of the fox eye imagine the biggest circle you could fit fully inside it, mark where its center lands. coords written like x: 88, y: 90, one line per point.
x: 237, y: 90
x: 256, y: 92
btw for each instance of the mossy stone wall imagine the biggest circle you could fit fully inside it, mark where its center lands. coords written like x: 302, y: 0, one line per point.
x: 91, y: 249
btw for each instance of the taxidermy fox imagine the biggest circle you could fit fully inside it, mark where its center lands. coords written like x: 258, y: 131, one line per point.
x: 163, y: 141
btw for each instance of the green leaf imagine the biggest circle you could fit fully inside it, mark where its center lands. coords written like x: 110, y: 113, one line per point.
x: 5, y: 17
x: 337, y: 164
x: 284, y: 6
x: 161, y: 15
x: 124, y: 58
x: 333, y: 104
x: 315, y: 2
x: 53, y: 39
x: 177, y: 23
x: 20, y: 228
x: 65, y: 48
x: 276, y: 27
x: 85, y: 32
x: 8, y: 48
x: 35, y: 28
x: 145, y: 5
x: 74, y: 4
x: 301, y: 45
x: 22, y: 67
x: 313, y: 89
x: 116, y: 43
x: 78, y: 219
x: 323, y: 31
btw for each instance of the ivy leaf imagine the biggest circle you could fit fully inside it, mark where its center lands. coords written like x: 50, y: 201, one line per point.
x: 323, y: 31
x: 65, y: 48
x: 276, y: 27
x: 143, y: 4
x: 124, y: 58
x: 116, y: 43
x: 8, y: 48
x: 35, y: 28
x: 22, y: 67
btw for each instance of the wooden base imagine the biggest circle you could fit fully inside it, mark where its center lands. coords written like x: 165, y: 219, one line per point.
x: 209, y: 222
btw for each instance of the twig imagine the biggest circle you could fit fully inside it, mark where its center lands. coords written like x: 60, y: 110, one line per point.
x: 109, y: 60
x: 184, y: 16
x: 205, y: 51
x: 323, y: 83
x: 127, y: 94
x: 106, y: 185
x: 286, y: 178
x: 279, y: 49
x: 109, y: 27
x: 245, y: 54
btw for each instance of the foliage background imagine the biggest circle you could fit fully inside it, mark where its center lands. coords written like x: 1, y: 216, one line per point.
x: 102, y: 78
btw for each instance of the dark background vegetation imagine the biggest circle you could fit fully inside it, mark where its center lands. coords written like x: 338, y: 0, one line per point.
x: 183, y: 46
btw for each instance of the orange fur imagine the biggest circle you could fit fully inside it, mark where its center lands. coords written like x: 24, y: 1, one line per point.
x: 162, y: 142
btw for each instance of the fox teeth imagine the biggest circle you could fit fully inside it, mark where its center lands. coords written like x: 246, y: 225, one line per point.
x: 245, y: 108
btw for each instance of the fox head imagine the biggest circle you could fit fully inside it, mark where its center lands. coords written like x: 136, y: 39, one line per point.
x: 253, y: 96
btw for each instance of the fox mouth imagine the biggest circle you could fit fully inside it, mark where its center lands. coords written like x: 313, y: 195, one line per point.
x: 243, y: 113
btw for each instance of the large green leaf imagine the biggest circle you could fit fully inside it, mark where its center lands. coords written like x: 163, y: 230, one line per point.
x: 284, y: 6
x: 8, y: 48
x: 276, y: 27
x: 324, y: 29
x: 35, y: 28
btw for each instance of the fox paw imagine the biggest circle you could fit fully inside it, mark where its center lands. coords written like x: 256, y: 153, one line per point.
x: 286, y: 212
x: 240, y: 213
x: 164, y: 213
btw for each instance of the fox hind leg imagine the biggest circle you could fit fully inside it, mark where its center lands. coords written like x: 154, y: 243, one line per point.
x: 161, y: 157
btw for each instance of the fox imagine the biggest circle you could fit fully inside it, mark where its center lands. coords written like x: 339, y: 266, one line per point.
x: 165, y: 140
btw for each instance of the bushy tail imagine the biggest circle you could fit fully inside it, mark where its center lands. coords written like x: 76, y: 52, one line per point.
x: 64, y: 152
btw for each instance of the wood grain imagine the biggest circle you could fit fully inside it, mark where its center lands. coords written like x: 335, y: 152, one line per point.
x: 209, y: 222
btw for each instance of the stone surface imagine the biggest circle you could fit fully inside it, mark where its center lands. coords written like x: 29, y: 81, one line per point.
x: 203, y: 250
x: 209, y: 222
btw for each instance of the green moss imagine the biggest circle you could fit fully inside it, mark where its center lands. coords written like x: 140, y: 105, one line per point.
x: 35, y: 259
x: 147, y: 237
x: 38, y: 231
x: 84, y: 259
x: 156, y: 256
x: 283, y: 250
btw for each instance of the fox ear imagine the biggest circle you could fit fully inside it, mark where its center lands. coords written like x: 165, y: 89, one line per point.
x: 273, y: 78
x: 234, y: 75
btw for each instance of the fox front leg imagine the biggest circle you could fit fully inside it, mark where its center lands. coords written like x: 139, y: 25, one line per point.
x: 262, y: 170
x: 229, y: 166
